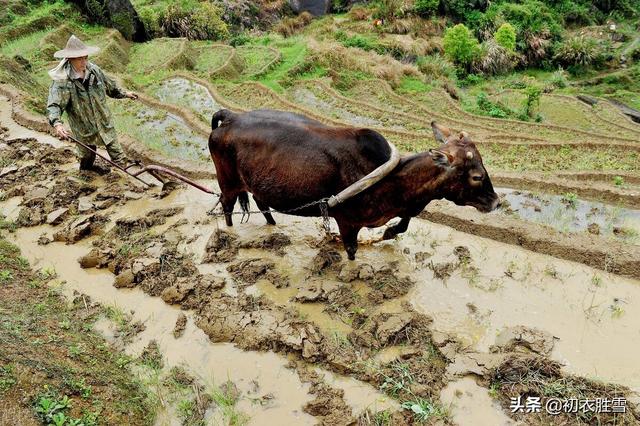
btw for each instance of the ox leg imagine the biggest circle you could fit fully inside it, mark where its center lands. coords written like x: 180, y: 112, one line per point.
x: 265, y: 211
x: 349, y: 235
x: 228, y: 202
x: 392, y: 231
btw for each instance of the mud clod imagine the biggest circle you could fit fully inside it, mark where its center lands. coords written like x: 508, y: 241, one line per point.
x: 524, y: 339
x: 593, y: 228
x: 249, y: 271
x: 327, y: 258
x: 181, y: 324
x: 82, y: 227
x: 221, y: 247
x: 273, y: 242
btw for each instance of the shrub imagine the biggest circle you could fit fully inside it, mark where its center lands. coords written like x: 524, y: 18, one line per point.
x: 460, y: 45
x: 462, y: 8
x: 490, y: 108
x: 123, y: 22
x: 389, y: 9
x: 200, y: 22
x: 359, y: 13
x: 494, y: 59
x: 208, y: 23
x: 505, y: 36
x: 426, y: 7
x: 435, y: 66
x: 578, y: 51
x: 559, y: 79
x: 532, y: 101
x: 289, y: 26
x: 151, y: 21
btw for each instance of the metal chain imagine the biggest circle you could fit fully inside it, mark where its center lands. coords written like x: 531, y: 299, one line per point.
x: 324, y: 212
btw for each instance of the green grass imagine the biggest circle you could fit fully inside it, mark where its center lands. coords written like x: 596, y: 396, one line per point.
x: 144, y: 57
x: 24, y: 46
x: 413, y: 85
x: 293, y: 52
x: 211, y: 58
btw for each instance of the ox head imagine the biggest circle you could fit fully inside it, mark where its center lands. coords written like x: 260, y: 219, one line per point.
x: 468, y: 182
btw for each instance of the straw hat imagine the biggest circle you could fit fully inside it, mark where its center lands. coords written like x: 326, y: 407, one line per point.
x: 75, y: 48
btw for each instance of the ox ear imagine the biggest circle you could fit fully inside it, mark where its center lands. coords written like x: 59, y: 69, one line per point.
x: 442, y: 159
x: 440, y: 133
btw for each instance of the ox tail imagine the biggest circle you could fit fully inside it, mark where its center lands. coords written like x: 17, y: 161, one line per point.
x: 243, y: 198
x: 219, y: 117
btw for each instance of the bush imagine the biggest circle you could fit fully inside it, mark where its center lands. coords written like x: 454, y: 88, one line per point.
x: 494, y: 59
x: 460, y: 45
x: 151, y: 21
x: 289, y: 26
x: 559, y: 79
x: 123, y: 22
x: 463, y: 8
x: 531, y: 103
x: 436, y: 66
x: 490, y: 108
x: 359, y: 13
x: 505, y: 36
x: 426, y: 7
x: 389, y: 9
x: 583, y: 51
x: 200, y: 22
x: 208, y: 23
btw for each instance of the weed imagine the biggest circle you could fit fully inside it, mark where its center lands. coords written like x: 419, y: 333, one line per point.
x: 5, y: 276
x: 425, y: 409
x: 570, y: 199
x: 616, y: 310
x: 7, y: 378
x: 225, y: 400
x: 618, y: 180
x: 551, y: 271
x: 48, y: 273
x: 50, y: 404
x: 596, y: 280
x: 394, y: 385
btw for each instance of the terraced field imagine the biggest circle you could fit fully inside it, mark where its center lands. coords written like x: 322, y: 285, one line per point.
x: 568, y: 230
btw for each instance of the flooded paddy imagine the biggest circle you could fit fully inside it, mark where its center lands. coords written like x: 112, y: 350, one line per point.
x: 187, y: 94
x: 161, y: 131
x: 568, y: 213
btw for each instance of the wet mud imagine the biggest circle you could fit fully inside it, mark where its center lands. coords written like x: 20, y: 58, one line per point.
x: 305, y: 335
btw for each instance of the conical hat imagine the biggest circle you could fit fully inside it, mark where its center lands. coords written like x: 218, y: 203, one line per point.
x: 75, y: 48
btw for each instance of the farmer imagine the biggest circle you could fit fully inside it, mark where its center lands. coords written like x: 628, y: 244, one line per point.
x: 79, y: 88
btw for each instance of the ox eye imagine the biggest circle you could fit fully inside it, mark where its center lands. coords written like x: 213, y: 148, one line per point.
x: 476, y: 178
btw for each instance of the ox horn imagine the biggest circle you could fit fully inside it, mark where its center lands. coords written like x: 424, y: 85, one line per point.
x: 470, y: 155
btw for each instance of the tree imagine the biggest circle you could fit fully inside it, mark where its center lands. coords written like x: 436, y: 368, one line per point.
x: 505, y: 36
x: 460, y: 45
x: 426, y: 7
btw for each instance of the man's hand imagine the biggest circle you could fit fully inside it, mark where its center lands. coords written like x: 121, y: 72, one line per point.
x: 61, y: 132
x: 131, y: 95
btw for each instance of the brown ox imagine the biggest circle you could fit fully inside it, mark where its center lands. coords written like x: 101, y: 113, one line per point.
x: 287, y: 160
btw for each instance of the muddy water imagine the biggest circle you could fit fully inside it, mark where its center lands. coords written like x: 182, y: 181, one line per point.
x: 189, y: 94
x: 590, y: 312
x: 471, y: 404
x: 569, y: 214
x: 16, y: 131
x: 212, y: 363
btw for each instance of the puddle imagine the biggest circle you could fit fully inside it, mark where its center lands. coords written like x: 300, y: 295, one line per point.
x: 570, y: 214
x: 188, y: 94
x: 161, y: 131
x: 471, y: 404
